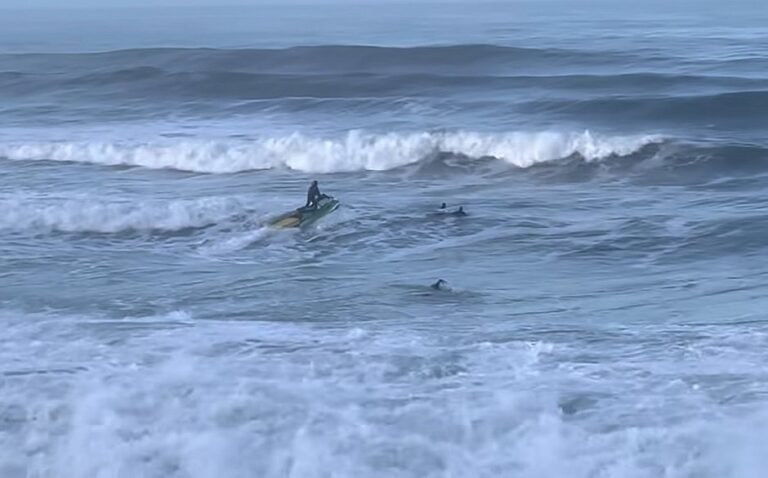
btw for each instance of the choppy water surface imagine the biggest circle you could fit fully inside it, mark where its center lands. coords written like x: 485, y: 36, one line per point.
x: 605, y: 311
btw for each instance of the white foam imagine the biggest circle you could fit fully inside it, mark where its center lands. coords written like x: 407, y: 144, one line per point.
x: 353, y: 152
x: 95, y: 215
x: 236, y: 242
x: 279, y: 399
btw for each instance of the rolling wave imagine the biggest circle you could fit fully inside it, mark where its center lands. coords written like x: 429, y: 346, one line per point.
x: 100, y: 215
x: 357, y: 151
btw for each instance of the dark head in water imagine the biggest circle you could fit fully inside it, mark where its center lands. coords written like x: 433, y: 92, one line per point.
x: 460, y: 211
x: 439, y: 285
x: 443, y: 206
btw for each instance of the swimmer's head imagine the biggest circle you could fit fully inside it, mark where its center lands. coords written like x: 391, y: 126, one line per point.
x: 440, y: 284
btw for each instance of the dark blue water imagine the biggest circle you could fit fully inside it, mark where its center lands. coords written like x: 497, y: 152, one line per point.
x: 604, y: 315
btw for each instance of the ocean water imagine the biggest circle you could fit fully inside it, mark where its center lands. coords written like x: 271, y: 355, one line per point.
x: 605, y: 316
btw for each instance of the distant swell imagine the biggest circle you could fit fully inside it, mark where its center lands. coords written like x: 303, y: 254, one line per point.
x: 313, y: 72
x: 329, y: 58
x: 591, y: 87
x: 354, y: 152
x: 167, y: 83
x: 745, y: 107
x: 220, y: 80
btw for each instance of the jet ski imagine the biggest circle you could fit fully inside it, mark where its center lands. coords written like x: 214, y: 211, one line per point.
x: 304, y: 216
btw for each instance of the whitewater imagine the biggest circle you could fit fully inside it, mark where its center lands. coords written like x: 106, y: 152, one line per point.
x: 604, y: 314
x: 353, y: 152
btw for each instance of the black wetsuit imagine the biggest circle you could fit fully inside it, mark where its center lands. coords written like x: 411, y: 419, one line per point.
x: 313, y: 195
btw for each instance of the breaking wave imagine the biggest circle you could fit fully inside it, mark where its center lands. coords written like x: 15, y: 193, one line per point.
x: 356, y: 151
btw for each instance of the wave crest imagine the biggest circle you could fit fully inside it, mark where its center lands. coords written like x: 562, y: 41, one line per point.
x: 355, y: 151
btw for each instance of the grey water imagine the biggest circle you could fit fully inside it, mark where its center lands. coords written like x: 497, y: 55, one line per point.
x: 605, y: 309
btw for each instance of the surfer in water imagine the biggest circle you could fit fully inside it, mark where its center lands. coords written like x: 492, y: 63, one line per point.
x: 459, y: 212
x: 440, y: 285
